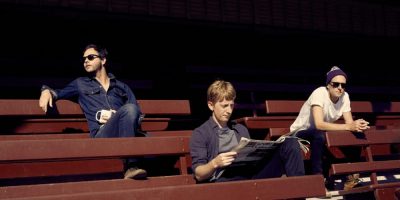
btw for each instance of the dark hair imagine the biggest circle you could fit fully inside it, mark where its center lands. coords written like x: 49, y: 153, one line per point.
x: 102, y: 51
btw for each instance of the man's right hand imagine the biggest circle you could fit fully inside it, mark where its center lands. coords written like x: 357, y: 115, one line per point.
x: 45, y: 99
x: 359, y: 125
x: 224, y: 159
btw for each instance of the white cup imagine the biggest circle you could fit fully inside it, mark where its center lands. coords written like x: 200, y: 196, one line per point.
x: 103, y: 115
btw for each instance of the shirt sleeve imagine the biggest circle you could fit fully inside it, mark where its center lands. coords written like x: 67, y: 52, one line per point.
x: 198, y: 149
x: 243, y: 131
x: 68, y: 91
x: 52, y: 92
x: 346, y: 103
x: 131, y: 96
x: 317, y: 98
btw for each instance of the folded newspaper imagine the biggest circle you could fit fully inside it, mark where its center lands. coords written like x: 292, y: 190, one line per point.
x: 251, y: 151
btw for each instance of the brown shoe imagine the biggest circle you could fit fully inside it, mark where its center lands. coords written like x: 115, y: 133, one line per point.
x: 135, y: 173
x: 352, y: 181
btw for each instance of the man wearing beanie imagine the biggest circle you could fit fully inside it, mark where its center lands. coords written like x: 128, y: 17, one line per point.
x: 325, y: 105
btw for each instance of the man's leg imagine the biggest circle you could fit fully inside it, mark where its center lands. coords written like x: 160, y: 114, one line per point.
x: 286, y: 158
x: 317, y: 143
x: 352, y: 154
x: 124, y: 123
x: 292, y: 157
x: 271, y: 167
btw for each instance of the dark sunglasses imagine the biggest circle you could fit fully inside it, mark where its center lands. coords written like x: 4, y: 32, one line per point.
x: 336, y: 84
x: 90, y: 57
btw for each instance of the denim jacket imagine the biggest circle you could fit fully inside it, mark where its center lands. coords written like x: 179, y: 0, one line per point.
x: 92, y: 97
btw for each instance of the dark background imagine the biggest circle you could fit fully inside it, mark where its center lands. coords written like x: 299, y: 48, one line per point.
x: 271, y: 49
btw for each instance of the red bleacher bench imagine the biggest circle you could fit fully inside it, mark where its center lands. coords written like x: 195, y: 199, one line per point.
x: 24, y: 191
x: 274, y: 188
x: 61, y: 157
x: 384, y: 117
x: 26, y: 126
x: 371, y: 165
x: 38, y: 151
x: 24, y: 116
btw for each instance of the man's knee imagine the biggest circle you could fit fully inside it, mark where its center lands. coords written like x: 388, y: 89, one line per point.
x: 319, y: 137
x: 130, y: 109
x: 291, y: 144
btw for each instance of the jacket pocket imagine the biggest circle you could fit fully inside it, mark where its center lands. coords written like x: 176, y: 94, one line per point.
x: 121, y: 93
x: 91, y: 91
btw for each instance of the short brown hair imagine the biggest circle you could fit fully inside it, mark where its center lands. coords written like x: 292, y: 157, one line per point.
x: 220, y: 90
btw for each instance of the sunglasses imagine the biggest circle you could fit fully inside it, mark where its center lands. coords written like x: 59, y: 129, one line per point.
x: 90, y: 57
x: 337, y: 84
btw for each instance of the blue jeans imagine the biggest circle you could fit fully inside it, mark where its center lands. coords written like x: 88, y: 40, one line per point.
x: 317, y: 141
x: 286, y: 159
x: 123, y: 123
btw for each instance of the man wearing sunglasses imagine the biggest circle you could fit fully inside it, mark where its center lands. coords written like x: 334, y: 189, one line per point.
x: 318, y: 114
x: 109, y: 105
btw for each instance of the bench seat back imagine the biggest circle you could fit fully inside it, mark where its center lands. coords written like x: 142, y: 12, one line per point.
x: 24, y: 116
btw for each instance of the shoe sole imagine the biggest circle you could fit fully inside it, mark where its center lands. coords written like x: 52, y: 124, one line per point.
x: 139, y: 174
x: 351, y: 186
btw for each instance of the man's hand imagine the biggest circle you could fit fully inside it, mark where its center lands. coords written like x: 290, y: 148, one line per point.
x: 359, y: 125
x: 224, y: 159
x: 45, y: 99
x: 107, y: 115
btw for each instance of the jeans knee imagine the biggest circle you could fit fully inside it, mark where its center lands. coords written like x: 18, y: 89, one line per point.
x: 319, y: 137
x: 291, y: 144
x: 130, y: 110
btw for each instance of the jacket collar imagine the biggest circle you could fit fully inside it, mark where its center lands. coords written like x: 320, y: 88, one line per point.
x: 90, y: 78
x: 215, y: 127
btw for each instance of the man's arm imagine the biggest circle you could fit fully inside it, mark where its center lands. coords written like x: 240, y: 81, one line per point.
x: 320, y: 124
x: 203, y: 166
x: 348, y: 117
x: 48, y: 95
x: 349, y: 125
x: 359, y: 124
x: 204, y: 172
x: 131, y: 96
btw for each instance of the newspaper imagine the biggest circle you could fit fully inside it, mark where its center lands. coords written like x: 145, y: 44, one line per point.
x: 250, y: 151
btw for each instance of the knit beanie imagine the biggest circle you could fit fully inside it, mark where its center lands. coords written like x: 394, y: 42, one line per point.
x: 335, y: 71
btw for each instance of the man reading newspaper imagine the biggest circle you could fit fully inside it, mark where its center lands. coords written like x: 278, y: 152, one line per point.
x: 212, y: 143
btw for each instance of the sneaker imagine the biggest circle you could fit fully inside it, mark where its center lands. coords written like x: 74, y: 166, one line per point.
x: 328, y: 194
x: 135, y: 173
x: 352, y: 181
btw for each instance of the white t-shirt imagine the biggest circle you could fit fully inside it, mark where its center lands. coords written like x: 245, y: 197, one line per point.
x: 332, y: 111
